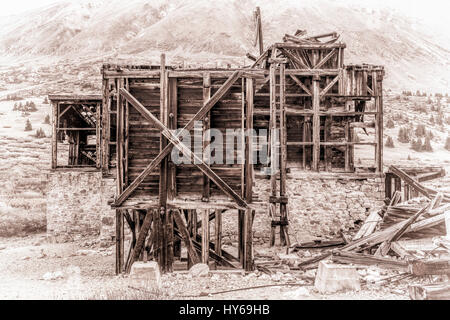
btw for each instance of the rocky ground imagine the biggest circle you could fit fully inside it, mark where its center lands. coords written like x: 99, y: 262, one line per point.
x: 32, y: 268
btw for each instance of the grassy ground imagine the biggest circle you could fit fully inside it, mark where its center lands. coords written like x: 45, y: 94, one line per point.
x: 23, y: 162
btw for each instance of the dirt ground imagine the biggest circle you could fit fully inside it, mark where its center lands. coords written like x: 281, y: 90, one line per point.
x: 32, y: 268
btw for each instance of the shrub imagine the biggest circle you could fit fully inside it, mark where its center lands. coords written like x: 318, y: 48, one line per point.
x: 390, y: 124
x: 420, y: 108
x: 447, y: 143
x: 416, y: 145
x: 404, y: 135
x: 40, y: 133
x: 427, y: 145
x: 389, y: 142
x: 45, y: 101
x: 28, y: 126
x: 47, y: 119
x: 420, y: 130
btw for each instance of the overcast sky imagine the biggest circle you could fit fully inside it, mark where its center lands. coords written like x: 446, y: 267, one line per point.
x: 433, y: 11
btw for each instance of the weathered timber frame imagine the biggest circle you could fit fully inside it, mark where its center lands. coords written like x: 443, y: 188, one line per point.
x: 167, y: 217
x: 77, y: 117
x: 303, y: 91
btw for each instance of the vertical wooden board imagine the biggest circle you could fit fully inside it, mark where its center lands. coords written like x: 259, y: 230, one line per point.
x: 248, y: 240
x: 241, y: 236
x: 125, y: 120
x: 249, y: 141
x: 316, y: 124
x: 55, y: 116
x: 205, y: 236
x: 173, y: 115
x: 206, y: 126
x: 98, y: 126
x: 218, y: 232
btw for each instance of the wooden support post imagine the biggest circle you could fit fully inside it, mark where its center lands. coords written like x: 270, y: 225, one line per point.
x: 259, y: 30
x: 119, y: 139
x: 378, y: 92
x: 218, y: 232
x: 126, y: 128
x: 151, y: 216
x: 119, y: 242
x: 248, y: 240
x: 205, y: 236
x: 98, y: 126
x: 249, y: 140
x: 206, y: 126
x: 388, y: 185
x: 181, y: 226
x: 316, y: 123
x: 172, y: 124
x: 55, y: 125
x: 165, y: 257
x: 241, y: 236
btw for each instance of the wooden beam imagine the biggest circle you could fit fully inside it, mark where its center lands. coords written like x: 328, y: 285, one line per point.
x: 439, y: 291
x: 249, y: 140
x: 248, y: 240
x: 378, y: 92
x: 325, y: 59
x: 300, y: 84
x: 316, y: 124
x: 259, y: 29
x: 295, y: 59
x: 330, y: 85
x: 205, y: 236
x: 55, y: 124
x: 181, y: 225
x: 206, y: 126
x: 143, y: 232
x: 166, y: 151
x: 218, y: 232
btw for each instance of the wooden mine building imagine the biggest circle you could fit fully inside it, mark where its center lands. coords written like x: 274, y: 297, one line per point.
x: 300, y: 86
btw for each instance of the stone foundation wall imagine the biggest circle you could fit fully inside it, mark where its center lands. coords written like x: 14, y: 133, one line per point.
x: 77, y: 205
x: 319, y: 206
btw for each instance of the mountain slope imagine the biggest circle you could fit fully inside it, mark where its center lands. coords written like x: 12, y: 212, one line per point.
x: 199, y: 30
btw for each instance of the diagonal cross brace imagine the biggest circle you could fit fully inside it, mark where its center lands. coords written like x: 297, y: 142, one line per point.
x: 166, y: 151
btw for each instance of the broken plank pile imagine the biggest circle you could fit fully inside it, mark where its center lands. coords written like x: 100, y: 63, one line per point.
x: 409, y: 237
x: 300, y: 38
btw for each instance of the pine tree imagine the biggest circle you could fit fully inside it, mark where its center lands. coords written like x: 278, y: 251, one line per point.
x: 420, y: 130
x: 390, y: 124
x: 28, y: 126
x: 447, y: 143
x: 47, y: 119
x: 389, y: 142
x: 427, y: 145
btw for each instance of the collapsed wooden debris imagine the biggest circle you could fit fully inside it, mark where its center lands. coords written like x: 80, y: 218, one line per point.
x: 402, y: 236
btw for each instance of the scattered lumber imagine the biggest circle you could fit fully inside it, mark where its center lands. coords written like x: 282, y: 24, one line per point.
x: 317, y: 244
x: 440, y: 291
x: 429, y: 267
x: 369, y: 225
x: 368, y: 260
x: 386, y: 245
x: 427, y: 192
